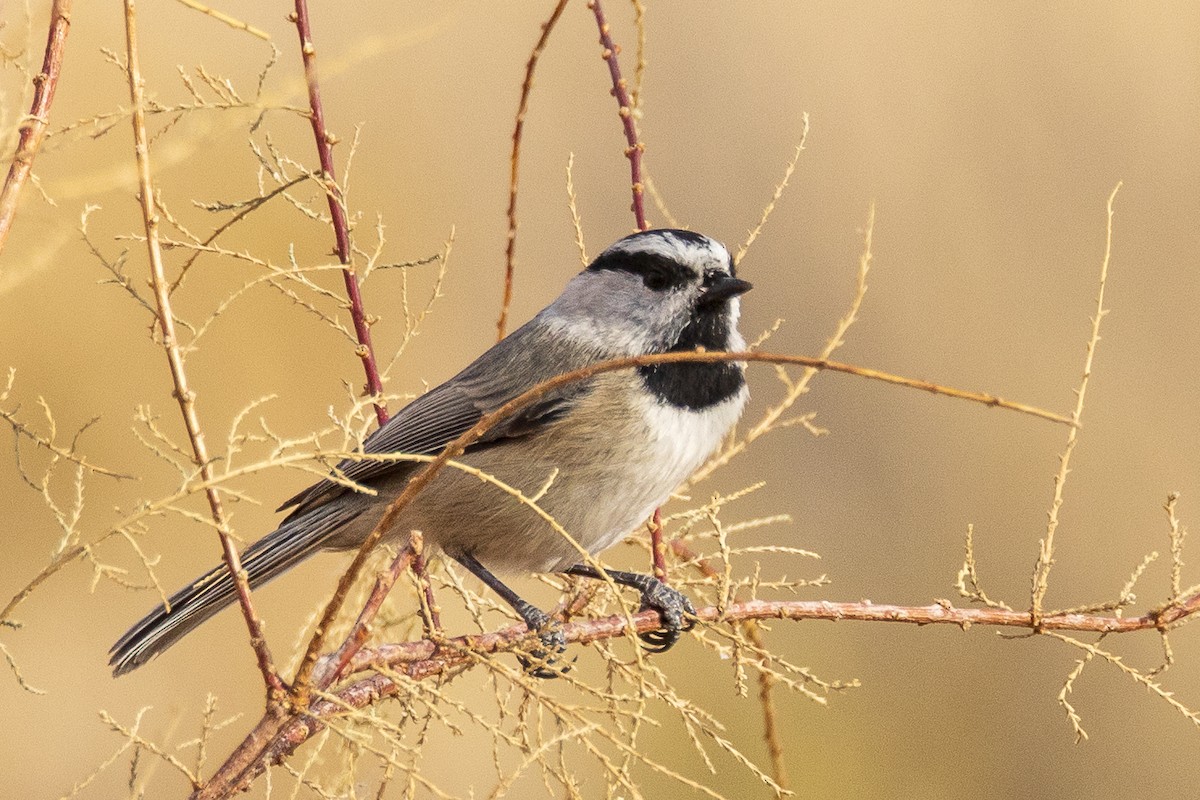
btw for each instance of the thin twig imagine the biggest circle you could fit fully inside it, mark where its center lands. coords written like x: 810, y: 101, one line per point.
x: 1045, y: 561
x: 337, y: 210
x: 770, y: 419
x: 301, y: 684
x: 183, y: 393
x: 779, y: 189
x: 246, y: 209
x: 635, y: 147
x: 246, y: 762
x: 34, y: 125
x: 510, y: 250
x: 21, y: 429
x: 357, y: 636
x: 232, y: 22
x: 573, y: 207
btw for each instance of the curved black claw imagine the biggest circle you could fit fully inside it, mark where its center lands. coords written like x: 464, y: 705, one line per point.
x: 673, y: 606
x: 543, y: 662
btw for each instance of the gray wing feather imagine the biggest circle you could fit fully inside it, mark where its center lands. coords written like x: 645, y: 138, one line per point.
x: 425, y: 426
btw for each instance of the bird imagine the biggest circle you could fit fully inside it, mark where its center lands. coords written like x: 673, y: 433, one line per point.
x: 611, y: 449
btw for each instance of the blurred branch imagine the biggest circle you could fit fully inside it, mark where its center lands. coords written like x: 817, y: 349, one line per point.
x: 166, y: 321
x: 766, y: 680
x: 510, y: 250
x: 625, y: 109
x: 21, y: 429
x: 337, y: 209
x: 232, y: 22
x: 34, y: 125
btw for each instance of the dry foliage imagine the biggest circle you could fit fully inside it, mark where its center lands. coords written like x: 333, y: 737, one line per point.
x: 329, y: 697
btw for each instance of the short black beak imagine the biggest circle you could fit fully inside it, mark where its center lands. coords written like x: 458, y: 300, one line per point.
x: 724, y: 289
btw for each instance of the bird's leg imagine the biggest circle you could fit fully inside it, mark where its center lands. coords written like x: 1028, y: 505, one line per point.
x: 670, y: 604
x: 538, y: 621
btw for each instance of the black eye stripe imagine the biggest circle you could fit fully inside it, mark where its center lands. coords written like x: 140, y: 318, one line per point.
x: 659, y: 272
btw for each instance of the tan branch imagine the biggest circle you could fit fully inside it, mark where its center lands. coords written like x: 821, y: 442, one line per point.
x: 166, y: 321
x: 300, y: 709
x: 1045, y: 561
x: 301, y: 684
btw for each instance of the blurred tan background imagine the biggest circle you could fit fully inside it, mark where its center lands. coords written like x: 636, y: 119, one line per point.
x: 989, y: 137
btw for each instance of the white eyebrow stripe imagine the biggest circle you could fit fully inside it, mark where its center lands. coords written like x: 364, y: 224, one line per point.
x: 701, y: 256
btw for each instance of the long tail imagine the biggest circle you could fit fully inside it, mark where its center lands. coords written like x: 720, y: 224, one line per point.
x: 278, y: 551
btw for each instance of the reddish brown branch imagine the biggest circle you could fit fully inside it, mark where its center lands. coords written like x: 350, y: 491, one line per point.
x: 633, y: 151
x: 275, y: 738
x: 658, y: 548
x: 635, y: 147
x: 510, y: 250
x: 33, y: 127
x: 332, y: 667
x: 183, y: 393
x: 337, y: 210
x: 250, y: 758
x: 302, y: 683
x: 341, y: 228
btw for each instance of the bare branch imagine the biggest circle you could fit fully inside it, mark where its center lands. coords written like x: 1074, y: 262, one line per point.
x: 166, y: 321
x: 635, y: 147
x: 34, y: 125
x: 1045, y: 561
x: 276, y: 737
x: 337, y: 209
x: 510, y: 250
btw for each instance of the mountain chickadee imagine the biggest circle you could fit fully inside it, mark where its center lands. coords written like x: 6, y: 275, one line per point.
x: 620, y: 443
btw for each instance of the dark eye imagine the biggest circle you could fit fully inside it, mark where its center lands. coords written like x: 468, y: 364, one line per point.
x: 710, y: 278
x: 656, y: 281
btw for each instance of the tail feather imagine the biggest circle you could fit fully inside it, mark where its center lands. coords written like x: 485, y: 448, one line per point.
x: 288, y: 545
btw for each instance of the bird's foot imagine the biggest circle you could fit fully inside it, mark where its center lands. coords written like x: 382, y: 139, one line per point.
x: 675, y: 610
x: 542, y: 662
x: 672, y: 606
